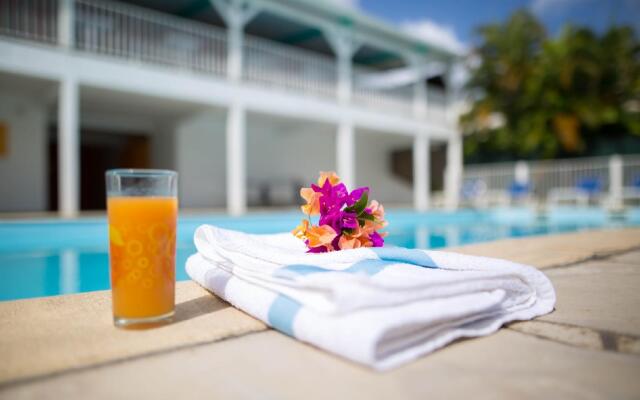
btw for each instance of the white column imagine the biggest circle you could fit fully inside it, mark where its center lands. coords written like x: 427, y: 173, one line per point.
x: 452, y: 93
x: 345, y: 151
x: 344, y: 77
x: 421, y: 171
x: 236, y: 160
x: 421, y: 167
x: 235, y: 43
x: 420, y: 102
x: 344, y: 46
x: 236, y: 14
x: 616, y: 181
x: 68, y: 148
x: 453, y: 177
x: 66, y: 18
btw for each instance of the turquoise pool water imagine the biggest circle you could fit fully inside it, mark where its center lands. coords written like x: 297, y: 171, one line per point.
x: 51, y: 257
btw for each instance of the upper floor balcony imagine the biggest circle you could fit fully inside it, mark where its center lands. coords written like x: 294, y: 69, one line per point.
x: 142, y: 35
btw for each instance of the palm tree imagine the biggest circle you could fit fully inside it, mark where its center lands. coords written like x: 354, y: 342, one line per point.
x: 535, y: 96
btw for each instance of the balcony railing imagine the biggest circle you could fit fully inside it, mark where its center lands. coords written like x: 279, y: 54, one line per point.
x: 30, y: 19
x: 397, y: 99
x: 139, y: 34
x: 270, y: 63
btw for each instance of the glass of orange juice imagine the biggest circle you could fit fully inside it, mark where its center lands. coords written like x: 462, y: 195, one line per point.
x: 142, y: 208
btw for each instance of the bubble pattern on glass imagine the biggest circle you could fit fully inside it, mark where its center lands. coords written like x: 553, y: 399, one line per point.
x: 143, y: 267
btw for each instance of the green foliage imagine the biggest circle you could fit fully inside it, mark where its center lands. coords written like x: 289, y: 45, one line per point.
x: 541, y: 97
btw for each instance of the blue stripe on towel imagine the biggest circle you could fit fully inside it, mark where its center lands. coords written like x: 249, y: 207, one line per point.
x: 409, y: 256
x: 282, y: 313
x: 298, y: 269
x: 369, y: 267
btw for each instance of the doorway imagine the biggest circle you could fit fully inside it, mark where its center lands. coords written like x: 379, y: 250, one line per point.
x: 99, y: 151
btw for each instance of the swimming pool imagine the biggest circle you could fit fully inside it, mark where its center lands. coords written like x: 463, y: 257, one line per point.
x: 51, y: 257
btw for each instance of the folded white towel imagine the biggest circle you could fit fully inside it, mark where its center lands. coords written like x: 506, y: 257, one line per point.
x: 377, y: 306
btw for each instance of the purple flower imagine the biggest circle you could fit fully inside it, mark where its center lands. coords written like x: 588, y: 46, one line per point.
x: 355, y: 195
x: 333, y: 197
x: 376, y: 239
x: 339, y: 220
x: 349, y: 220
x: 337, y: 209
x: 319, y: 249
x: 333, y: 219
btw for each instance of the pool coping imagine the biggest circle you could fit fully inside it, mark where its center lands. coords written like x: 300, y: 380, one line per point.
x: 550, y: 253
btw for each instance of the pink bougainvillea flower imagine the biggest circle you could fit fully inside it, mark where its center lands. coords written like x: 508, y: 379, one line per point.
x: 355, y: 195
x: 319, y: 249
x: 332, y: 197
x: 376, y: 239
x: 328, y: 185
x: 346, y: 221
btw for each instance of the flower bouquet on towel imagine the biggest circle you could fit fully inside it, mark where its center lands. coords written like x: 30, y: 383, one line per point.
x: 336, y: 286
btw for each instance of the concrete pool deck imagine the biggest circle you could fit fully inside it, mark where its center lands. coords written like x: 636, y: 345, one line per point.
x: 589, y: 347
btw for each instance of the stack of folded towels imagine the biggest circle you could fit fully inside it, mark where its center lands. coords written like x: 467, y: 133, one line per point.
x: 381, y: 307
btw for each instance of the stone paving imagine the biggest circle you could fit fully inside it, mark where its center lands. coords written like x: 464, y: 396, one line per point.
x: 588, y: 348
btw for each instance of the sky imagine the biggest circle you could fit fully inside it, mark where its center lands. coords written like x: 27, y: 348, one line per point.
x: 452, y: 23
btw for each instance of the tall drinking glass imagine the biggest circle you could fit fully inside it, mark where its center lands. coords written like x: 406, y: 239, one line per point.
x: 142, y: 207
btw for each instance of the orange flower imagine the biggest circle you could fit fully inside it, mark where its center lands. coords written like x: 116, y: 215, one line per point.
x: 330, y: 175
x: 354, y: 240
x: 301, y: 230
x: 313, y: 201
x: 377, y: 210
x: 312, y: 197
x: 321, y: 236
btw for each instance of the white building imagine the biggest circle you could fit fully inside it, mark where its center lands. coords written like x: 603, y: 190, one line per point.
x: 246, y: 99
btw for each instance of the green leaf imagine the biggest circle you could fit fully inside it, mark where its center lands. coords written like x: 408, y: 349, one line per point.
x: 367, y: 217
x: 361, y: 204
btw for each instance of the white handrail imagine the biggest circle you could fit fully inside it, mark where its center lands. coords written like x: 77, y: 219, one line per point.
x: 271, y: 63
x: 549, y: 175
x: 135, y: 33
x: 30, y: 19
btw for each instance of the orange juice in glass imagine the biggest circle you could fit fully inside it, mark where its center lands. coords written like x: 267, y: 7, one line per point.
x: 142, y: 208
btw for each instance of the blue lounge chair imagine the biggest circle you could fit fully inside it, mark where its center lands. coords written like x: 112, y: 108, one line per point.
x: 586, y: 190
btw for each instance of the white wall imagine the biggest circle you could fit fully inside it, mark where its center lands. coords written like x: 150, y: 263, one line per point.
x: 286, y: 154
x: 373, y: 167
x: 163, y: 148
x: 23, y: 171
x: 283, y: 154
x: 200, y: 160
